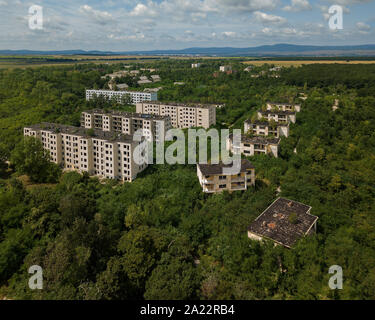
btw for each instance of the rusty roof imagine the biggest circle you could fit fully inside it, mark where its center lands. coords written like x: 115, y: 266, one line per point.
x: 276, y: 223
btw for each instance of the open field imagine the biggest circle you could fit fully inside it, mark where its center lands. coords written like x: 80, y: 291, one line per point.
x: 22, y: 62
x: 297, y: 63
x: 40, y: 61
x: 31, y: 62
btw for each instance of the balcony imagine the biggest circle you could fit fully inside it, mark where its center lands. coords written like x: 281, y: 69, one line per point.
x: 283, y: 121
x: 208, y: 189
x: 260, y: 152
x: 238, y: 180
x: 238, y: 186
x: 208, y: 180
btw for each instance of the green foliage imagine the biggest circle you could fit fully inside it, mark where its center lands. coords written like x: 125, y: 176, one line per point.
x: 3, y: 160
x: 160, y: 237
x: 30, y: 158
x: 293, y: 218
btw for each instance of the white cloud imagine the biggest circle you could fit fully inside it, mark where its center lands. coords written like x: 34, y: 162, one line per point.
x: 141, y: 10
x: 229, y: 34
x: 363, y: 28
x: 266, y: 18
x: 349, y: 2
x: 156, y: 24
x: 101, y: 17
x: 298, y: 5
x: 243, y: 5
x: 137, y: 36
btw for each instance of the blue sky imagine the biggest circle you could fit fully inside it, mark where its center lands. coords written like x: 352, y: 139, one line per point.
x: 121, y: 25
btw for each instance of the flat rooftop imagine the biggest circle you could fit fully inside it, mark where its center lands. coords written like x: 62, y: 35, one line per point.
x: 123, y: 92
x: 256, y: 139
x: 283, y: 104
x: 126, y: 114
x: 214, y: 169
x: 267, y: 123
x: 276, y: 223
x: 180, y: 104
x: 279, y: 112
x: 81, y: 132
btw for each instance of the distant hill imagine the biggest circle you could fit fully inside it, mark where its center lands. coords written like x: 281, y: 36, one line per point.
x: 266, y: 50
x: 273, y: 50
x: 62, y: 52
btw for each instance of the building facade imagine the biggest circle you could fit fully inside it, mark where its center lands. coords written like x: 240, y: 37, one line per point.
x: 251, y: 146
x: 283, y: 106
x: 213, y: 179
x: 135, y: 96
x: 99, y: 153
x: 278, y: 116
x: 182, y: 115
x: 127, y: 123
x: 260, y: 128
x: 225, y: 68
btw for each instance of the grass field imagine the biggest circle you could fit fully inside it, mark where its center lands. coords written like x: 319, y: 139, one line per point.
x: 39, y: 61
x: 297, y: 63
x: 12, y: 62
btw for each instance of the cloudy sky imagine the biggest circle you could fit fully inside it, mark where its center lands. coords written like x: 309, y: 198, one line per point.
x: 121, y: 25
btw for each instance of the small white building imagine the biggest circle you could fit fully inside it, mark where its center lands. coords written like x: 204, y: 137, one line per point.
x: 275, y: 69
x: 135, y: 96
x: 155, y: 78
x: 122, y: 86
x: 251, y: 146
x: 225, y: 68
x: 214, y: 179
x: 265, y: 128
x: 283, y: 106
x: 146, y: 81
x: 278, y: 116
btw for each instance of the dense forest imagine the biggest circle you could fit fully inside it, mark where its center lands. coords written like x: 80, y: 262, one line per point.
x: 160, y: 237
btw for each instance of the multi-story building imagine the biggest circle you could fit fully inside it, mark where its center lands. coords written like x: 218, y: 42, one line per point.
x: 264, y: 128
x: 182, y: 115
x: 251, y: 146
x: 283, y: 106
x: 225, y: 68
x: 213, y: 179
x: 135, y: 96
x: 127, y: 123
x: 278, y: 116
x: 284, y: 222
x: 105, y: 154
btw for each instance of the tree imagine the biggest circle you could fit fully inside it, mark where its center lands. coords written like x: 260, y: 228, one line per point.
x: 176, y: 276
x: 172, y: 280
x: 30, y: 158
x: 3, y: 160
x: 141, y: 249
